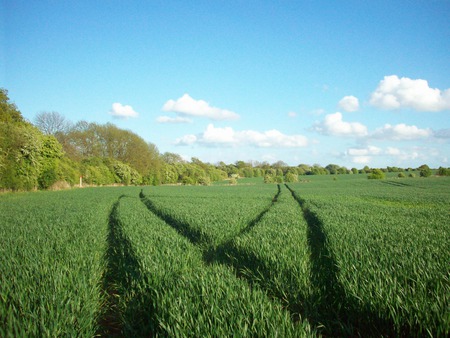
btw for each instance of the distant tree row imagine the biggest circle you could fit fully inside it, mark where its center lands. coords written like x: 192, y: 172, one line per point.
x: 56, y: 151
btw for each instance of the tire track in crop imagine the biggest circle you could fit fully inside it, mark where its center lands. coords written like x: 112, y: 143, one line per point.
x: 255, y: 221
x: 222, y: 253
x: 339, y: 313
x: 195, y: 236
x: 245, y: 265
x: 122, y: 275
x: 396, y: 184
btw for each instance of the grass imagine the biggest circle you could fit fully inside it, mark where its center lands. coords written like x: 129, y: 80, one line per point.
x: 342, y: 257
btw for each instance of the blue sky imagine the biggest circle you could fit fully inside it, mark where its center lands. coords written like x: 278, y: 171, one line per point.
x: 353, y: 83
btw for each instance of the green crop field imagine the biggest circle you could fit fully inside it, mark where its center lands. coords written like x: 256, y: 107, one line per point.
x: 329, y: 255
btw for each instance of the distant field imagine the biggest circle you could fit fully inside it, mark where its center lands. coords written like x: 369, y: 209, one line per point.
x: 330, y: 255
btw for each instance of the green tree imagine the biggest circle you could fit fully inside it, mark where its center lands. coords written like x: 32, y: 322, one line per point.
x: 291, y: 177
x: 424, y: 170
x: 8, y: 110
x: 376, y: 174
x: 443, y: 171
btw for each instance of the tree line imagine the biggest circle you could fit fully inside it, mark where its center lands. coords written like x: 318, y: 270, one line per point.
x: 54, y: 152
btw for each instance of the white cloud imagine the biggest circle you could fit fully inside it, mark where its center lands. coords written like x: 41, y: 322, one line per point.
x: 335, y: 126
x: 292, y: 114
x: 392, y: 151
x: 361, y: 159
x: 178, y: 119
x: 401, y: 132
x: 370, y: 150
x: 226, y: 136
x: 186, y: 140
x: 349, y: 103
x: 120, y: 111
x: 395, y: 93
x: 219, y: 135
x: 186, y: 105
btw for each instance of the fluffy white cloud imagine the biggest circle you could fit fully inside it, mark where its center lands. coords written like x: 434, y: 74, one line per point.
x: 168, y: 119
x: 335, y: 126
x: 395, y: 93
x: 361, y: 159
x: 392, y: 151
x: 349, y: 103
x: 186, y: 105
x: 226, y: 136
x: 214, y: 135
x: 120, y: 111
x: 401, y: 132
x: 370, y: 150
x: 186, y: 140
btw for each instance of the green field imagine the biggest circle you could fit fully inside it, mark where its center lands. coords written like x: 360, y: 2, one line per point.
x: 329, y: 255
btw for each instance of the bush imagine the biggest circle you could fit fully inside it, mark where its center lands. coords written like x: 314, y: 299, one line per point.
x: 47, y: 178
x: 443, y: 171
x: 425, y: 172
x: 376, y: 174
x: 401, y: 175
x: 291, y: 178
x: 268, y: 179
x: 204, y: 180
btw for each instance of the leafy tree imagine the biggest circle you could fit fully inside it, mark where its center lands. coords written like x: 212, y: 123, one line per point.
x: 333, y: 169
x: 291, y: 177
x: 269, y: 179
x: 8, y: 110
x: 443, y: 171
x: 376, y: 174
x: 424, y: 170
x: 172, y: 158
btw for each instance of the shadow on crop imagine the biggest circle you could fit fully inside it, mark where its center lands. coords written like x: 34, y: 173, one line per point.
x: 127, y: 303
x: 195, y: 236
x: 330, y: 308
x: 256, y: 220
x: 396, y: 184
x: 245, y: 264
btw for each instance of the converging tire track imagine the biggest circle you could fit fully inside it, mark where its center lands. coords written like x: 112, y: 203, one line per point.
x: 246, y: 265
x: 340, y: 313
x: 195, y: 236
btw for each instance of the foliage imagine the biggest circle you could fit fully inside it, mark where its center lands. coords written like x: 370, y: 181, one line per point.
x: 424, y: 171
x: 443, y: 171
x: 8, y: 110
x: 62, y: 151
x: 376, y: 174
x: 291, y: 178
